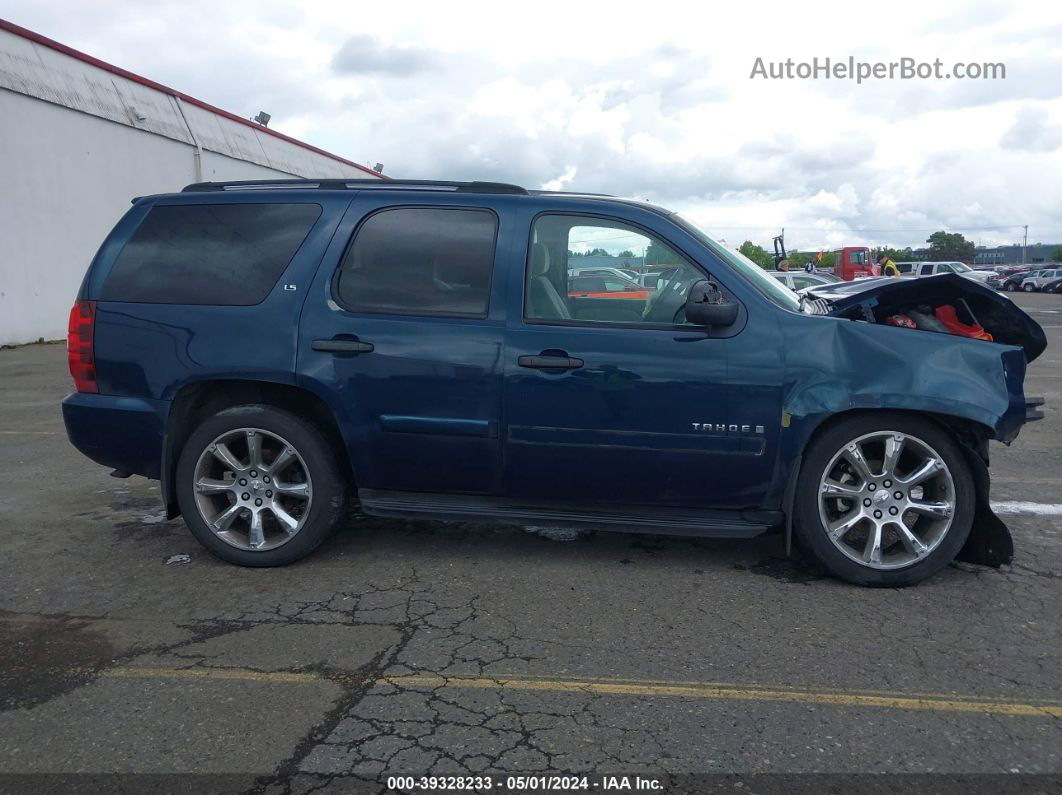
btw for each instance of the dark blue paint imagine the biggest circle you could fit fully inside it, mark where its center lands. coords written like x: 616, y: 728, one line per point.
x: 440, y: 404
x: 448, y: 426
x: 120, y: 432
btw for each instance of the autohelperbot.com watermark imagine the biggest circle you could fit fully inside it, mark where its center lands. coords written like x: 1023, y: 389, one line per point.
x: 860, y: 71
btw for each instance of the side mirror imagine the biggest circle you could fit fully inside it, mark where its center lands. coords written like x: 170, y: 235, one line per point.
x: 705, y: 306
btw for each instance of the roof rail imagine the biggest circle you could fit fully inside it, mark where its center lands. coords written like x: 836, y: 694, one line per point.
x: 357, y: 184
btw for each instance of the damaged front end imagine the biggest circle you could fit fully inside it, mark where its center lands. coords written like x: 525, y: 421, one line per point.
x: 941, y: 345
x: 947, y: 303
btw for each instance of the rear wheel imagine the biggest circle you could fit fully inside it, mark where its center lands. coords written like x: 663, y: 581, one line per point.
x: 259, y: 486
x: 884, y: 500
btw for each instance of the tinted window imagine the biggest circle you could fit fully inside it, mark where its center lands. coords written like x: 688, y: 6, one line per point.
x: 209, y: 253
x: 419, y: 260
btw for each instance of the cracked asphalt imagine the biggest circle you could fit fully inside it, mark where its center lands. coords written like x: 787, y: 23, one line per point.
x: 414, y: 648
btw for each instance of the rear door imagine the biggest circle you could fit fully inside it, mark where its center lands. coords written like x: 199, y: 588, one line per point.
x: 402, y: 336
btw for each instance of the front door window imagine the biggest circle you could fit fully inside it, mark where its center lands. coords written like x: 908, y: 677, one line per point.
x: 573, y: 274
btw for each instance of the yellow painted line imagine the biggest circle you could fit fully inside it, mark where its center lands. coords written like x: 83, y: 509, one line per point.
x: 851, y: 699
x: 706, y: 691
x: 237, y: 674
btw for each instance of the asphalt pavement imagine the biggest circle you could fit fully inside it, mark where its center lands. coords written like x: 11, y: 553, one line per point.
x: 415, y: 648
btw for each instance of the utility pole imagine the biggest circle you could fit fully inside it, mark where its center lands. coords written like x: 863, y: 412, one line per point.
x: 1024, y: 243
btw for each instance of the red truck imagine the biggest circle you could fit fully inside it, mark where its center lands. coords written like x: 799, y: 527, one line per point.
x: 854, y: 261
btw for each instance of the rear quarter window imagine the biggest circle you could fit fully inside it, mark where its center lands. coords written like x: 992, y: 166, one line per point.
x: 420, y: 261
x: 223, y: 254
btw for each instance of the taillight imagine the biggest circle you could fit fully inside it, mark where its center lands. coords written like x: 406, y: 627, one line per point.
x: 79, y: 351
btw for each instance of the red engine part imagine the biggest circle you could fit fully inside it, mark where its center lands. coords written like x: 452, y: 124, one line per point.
x: 900, y: 320
x: 946, y: 314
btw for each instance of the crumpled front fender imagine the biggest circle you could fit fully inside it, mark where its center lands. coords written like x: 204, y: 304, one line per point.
x: 837, y: 365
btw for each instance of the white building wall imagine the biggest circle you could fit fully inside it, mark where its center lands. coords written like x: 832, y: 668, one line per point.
x: 77, y: 143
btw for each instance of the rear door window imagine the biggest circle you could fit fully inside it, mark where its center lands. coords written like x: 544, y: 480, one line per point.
x: 420, y: 261
x: 222, y: 254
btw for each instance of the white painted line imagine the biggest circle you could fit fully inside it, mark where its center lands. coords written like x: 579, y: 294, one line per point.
x: 42, y: 433
x: 1044, y: 481
x: 1038, y: 508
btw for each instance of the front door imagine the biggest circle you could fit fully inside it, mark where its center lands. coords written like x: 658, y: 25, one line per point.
x: 402, y: 336
x: 614, y: 399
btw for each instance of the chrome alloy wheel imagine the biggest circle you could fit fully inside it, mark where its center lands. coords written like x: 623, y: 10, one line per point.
x: 886, y: 500
x: 253, y: 489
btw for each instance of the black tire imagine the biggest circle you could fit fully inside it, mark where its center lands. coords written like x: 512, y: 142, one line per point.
x: 1011, y: 287
x: 322, y: 462
x: 1029, y: 288
x: 811, y: 533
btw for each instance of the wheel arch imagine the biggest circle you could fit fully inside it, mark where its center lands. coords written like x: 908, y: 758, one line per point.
x: 964, y: 429
x: 198, y: 400
x: 990, y: 542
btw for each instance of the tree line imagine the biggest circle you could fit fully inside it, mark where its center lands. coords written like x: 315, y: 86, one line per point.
x: 943, y: 246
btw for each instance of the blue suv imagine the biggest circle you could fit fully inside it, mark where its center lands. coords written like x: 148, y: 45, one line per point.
x: 272, y: 351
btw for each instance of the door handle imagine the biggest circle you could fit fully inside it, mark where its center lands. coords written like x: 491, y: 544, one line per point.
x: 342, y: 346
x: 542, y: 362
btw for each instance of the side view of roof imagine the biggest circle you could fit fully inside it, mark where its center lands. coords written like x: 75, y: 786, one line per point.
x: 358, y: 184
x: 427, y: 185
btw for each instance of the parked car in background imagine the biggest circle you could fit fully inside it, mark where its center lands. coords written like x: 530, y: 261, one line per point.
x: 598, y: 271
x: 1037, y: 280
x: 1053, y: 287
x: 1010, y: 270
x: 798, y: 280
x: 1013, y: 282
x: 606, y: 287
x: 654, y: 279
x: 271, y: 351
x: 919, y: 269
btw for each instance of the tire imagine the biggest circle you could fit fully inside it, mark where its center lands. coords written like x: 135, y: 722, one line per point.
x: 1029, y: 288
x: 902, y: 561
x: 1011, y: 287
x: 298, y: 478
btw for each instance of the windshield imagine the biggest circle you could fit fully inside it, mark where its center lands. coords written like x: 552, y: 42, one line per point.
x: 959, y: 267
x: 765, y: 284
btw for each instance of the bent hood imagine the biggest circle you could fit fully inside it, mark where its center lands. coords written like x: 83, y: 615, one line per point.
x: 873, y: 300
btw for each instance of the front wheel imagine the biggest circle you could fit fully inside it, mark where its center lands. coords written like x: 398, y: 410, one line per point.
x: 1029, y: 288
x: 884, y: 500
x: 259, y: 486
x: 1011, y: 287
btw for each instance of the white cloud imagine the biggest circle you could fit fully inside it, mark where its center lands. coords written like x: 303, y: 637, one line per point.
x: 1032, y: 132
x: 657, y: 105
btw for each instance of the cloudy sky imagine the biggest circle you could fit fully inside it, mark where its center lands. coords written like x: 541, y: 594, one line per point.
x: 652, y: 100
